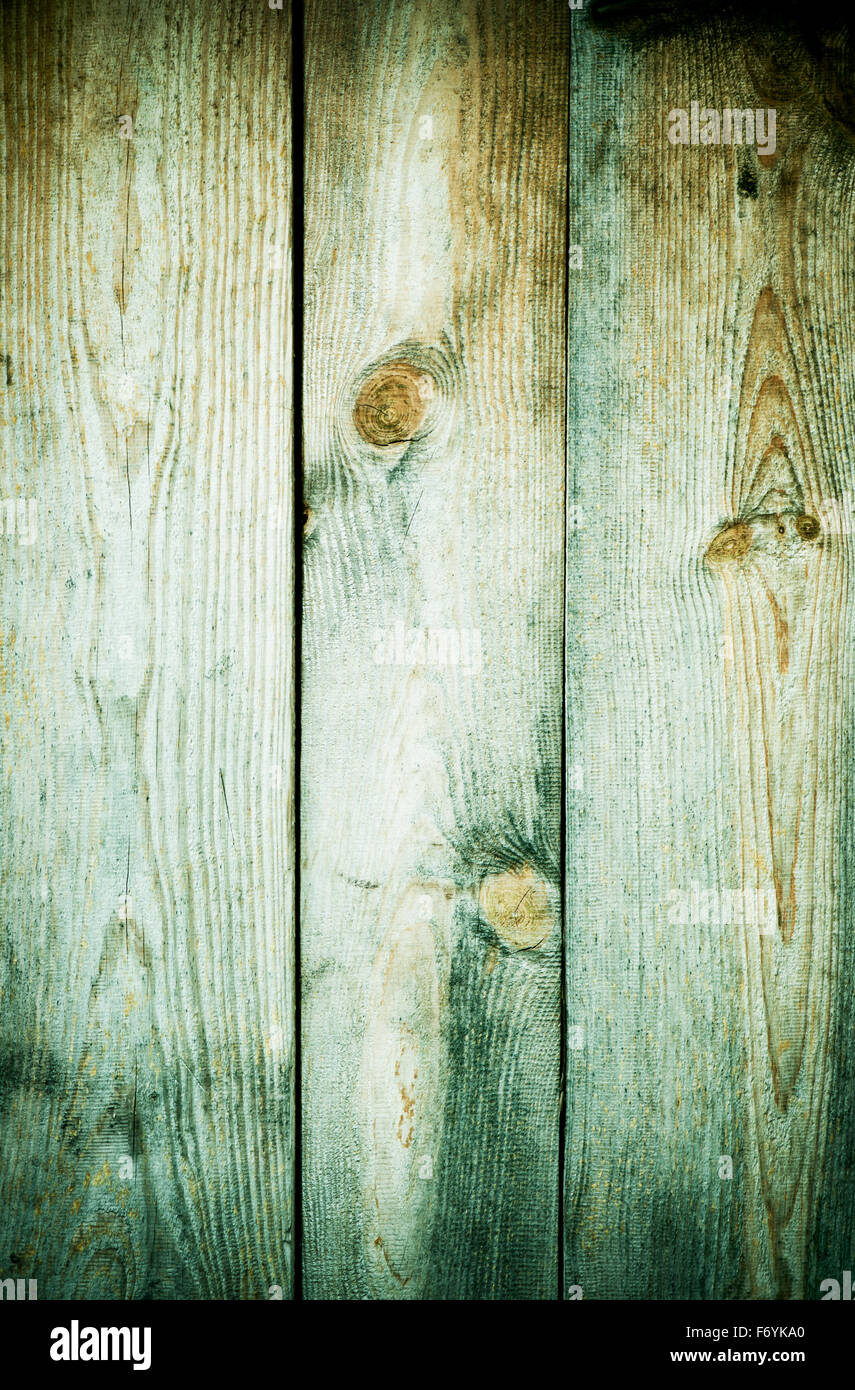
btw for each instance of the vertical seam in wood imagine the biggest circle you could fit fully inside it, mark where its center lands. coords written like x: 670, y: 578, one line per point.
x: 297, y: 237
x: 562, y: 815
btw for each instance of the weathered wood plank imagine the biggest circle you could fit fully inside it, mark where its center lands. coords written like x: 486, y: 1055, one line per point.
x: 709, y: 961
x: 147, y: 993
x: 431, y: 705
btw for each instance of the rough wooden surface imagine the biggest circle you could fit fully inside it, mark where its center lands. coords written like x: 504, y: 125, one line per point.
x: 709, y: 627
x: 431, y: 705
x: 146, y: 634
x: 706, y: 371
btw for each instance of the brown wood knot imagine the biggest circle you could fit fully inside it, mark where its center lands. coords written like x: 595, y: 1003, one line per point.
x: 807, y: 527
x: 764, y: 531
x: 516, y: 904
x: 392, y: 403
x: 731, y: 543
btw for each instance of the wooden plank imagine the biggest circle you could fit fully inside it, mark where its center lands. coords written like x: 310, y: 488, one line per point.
x: 146, y: 994
x: 710, y: 969
x: 431, y: 704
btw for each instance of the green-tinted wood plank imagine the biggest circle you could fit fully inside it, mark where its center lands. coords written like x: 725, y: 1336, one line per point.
x: 431, y: 705
x: 146, y: 632
x: 711, y: 373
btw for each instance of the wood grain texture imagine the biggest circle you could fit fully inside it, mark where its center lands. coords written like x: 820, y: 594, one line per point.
x: 709, y: 612
x: 431, y: 706
x: 146, y: 639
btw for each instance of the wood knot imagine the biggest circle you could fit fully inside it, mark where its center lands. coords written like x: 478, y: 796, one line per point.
x: 807, y: 527
x: 392, y: 404
x: 516, y: 904
x: 731, y: 543
x: 772, y: 533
